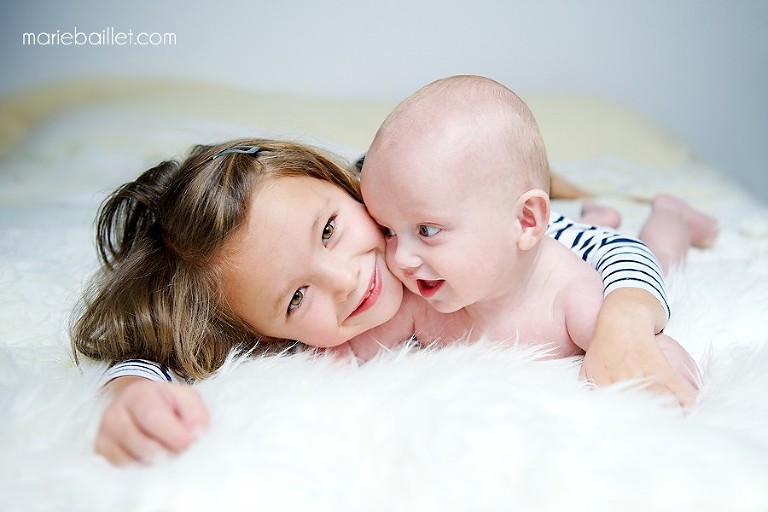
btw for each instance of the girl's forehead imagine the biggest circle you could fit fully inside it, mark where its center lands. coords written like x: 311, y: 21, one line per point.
x: 290, y: 189
x: 276, y: 239
x: 287, y: 198
x: 290, y: 208
x: 275, y: 206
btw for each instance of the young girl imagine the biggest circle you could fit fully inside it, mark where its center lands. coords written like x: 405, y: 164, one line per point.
x: 275, y: 231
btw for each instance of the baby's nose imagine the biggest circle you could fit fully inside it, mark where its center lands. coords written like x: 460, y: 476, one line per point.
x: 405, y: 258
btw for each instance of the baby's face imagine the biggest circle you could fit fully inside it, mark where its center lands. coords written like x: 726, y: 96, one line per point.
x: 451, y: 237
x: 309, y: 265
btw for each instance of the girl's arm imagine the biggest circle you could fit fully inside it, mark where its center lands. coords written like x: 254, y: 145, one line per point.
x: 634, y: 309
x: 140, y: 368
x: 625, y: 346
x: 148, y: 414
x: 622, y: 261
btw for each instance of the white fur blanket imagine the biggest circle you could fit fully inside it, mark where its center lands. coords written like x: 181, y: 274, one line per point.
x: 471, y: 427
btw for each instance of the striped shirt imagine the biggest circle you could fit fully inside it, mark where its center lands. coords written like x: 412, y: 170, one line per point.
x: 622, y: 261
x: 140, y: 368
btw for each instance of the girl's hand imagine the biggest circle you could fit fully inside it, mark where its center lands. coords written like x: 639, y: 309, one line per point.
x: 148, y: 418
x: 631, y: 356
x: 625, y: 346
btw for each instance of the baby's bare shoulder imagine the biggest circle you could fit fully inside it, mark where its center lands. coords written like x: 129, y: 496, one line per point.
x: 581, y: 297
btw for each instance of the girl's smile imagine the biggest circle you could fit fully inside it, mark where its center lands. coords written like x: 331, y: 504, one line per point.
x: 309, y: 265
x: 371, y: 294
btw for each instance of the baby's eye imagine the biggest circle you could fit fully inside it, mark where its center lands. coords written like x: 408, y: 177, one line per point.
x: 329, y: 228
x: 298, y: 297
x: 428, y: 231
x: 388, y: 233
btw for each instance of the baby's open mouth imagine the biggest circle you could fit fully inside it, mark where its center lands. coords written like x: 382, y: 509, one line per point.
x: 429, y: 288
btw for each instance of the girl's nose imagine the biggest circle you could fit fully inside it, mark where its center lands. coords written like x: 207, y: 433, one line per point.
x: 345, y: 286
x: 339, y: 278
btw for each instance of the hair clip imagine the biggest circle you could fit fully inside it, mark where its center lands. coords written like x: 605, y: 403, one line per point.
x: 242, y: 150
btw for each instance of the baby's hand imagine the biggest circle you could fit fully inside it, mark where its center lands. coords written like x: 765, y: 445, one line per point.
x: 146, y: 418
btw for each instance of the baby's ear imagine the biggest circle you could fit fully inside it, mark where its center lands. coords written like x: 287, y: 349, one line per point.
x: 533, y: 215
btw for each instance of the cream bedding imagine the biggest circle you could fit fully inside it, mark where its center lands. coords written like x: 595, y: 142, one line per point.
x: 470, y: 427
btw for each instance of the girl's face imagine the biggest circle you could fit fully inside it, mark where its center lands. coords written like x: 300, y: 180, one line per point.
x: 309, y: 265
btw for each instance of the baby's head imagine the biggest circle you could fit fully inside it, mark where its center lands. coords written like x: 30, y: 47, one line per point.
x: 170, y: 241
x: 459, y: 177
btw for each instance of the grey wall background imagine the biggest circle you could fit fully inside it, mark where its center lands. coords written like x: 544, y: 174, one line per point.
x: 697, y: 67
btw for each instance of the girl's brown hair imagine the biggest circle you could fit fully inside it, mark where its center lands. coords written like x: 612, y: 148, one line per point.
x: 160, y: 237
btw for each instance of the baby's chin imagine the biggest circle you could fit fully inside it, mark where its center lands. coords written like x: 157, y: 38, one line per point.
x: 444, y: 308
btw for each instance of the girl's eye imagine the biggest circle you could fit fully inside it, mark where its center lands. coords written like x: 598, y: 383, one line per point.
x: 428, y: 231
x: 298, y: 297
x: 329, y: 228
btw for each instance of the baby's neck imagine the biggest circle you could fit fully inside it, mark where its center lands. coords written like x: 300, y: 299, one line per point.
x: 534, y: 277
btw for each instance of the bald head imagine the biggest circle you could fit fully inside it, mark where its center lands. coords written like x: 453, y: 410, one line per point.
x: 473, y: 115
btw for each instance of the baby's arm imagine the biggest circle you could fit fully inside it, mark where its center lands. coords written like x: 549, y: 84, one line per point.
x: 148, y: 414
x: 634, y: 310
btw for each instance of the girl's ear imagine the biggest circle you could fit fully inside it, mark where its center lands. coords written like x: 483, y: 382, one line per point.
x: 532, y: 210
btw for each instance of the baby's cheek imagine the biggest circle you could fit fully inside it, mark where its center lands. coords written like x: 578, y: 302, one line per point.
x: 389, y: 255
x: 394, y: 268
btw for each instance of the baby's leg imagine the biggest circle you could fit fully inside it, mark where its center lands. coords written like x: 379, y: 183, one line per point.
x: 672, y: 227
x: 682, y: 363
x: 599, y: 215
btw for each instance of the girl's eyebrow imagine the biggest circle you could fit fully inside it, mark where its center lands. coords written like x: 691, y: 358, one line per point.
x: 278, y: 306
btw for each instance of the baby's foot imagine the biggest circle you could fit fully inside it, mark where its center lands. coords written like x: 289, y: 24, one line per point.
x: 702, y: 228
x: 599, y: 215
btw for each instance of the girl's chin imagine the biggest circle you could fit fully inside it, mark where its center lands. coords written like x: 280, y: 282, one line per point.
x: 391, y: 301
x: 326, y: 345
x: 340, y: 351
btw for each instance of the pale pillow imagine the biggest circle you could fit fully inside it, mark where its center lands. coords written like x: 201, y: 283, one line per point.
x: 574, y: 127
x: 582, y: 128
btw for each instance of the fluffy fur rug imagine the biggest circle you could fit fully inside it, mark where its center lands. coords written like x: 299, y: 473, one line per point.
x: 471, y: 427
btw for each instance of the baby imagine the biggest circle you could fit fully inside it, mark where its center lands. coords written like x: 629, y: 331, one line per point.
x: 457, y: 177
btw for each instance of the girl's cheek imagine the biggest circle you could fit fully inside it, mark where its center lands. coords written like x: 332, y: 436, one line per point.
x: 321, y: 328
x: 389, y: 255
x: 372, y: 229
